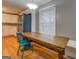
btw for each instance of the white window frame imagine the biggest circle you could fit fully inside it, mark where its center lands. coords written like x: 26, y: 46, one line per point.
x: 54, y: 32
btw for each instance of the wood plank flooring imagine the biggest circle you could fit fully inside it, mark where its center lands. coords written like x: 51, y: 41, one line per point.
x: 10, y: 47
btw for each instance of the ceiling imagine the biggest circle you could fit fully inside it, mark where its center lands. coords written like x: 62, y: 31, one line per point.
x: 19, y: 5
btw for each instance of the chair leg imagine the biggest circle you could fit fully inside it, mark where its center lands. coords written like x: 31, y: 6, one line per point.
x: 18, y: 50
x: 31, y: 47
x: 22, y: 52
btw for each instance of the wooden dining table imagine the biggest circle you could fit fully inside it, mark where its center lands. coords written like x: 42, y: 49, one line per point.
x: 52, y: 42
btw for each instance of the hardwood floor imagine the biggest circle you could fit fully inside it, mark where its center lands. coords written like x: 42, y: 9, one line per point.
x: 10, y: 47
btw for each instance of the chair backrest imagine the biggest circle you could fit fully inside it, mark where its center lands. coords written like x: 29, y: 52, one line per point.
x: 19, y: 36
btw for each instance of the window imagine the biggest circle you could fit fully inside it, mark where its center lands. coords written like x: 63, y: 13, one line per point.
x: 47, y: 20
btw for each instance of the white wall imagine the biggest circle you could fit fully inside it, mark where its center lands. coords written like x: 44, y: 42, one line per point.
x: 33, y: 22
x: 27, y: 11
x: 66, y: 18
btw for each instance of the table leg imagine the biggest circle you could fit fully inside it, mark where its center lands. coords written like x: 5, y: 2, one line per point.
x: 60, y: 56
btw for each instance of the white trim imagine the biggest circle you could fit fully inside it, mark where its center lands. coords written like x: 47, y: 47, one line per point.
x: 22, y: 22
x: 33, y: 22
x: 47, y: 7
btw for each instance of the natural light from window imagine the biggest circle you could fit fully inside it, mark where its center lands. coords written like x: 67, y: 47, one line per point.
x: 47, y: 20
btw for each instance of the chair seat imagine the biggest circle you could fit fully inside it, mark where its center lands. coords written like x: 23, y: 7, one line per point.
x: 23, y: 42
